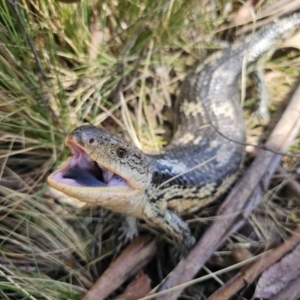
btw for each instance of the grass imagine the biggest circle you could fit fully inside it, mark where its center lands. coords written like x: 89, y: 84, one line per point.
x: 62, y: 65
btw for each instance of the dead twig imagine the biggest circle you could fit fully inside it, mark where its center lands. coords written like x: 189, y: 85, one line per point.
x: 137, y: 289
x: 250, y: 273
x: 131, y: 261
x: 240, y: 202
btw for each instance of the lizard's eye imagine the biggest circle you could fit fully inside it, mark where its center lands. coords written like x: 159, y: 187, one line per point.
x: 121, y: 152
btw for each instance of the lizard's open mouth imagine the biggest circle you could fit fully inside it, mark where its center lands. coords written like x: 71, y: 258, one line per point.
x: 81, y: 170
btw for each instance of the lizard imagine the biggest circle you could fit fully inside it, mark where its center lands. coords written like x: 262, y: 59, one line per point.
x: 198, y: 166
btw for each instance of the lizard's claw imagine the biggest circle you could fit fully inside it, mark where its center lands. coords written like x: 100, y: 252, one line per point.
x: 129, y: 230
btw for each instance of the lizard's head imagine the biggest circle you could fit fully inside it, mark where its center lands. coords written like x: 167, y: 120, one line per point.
x: 103, y: 168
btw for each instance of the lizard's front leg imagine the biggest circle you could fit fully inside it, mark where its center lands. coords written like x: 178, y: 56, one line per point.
x: 157, y: 214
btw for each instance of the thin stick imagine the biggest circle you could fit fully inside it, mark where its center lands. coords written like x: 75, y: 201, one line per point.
x: 250, y: 273
x: 131, y: 261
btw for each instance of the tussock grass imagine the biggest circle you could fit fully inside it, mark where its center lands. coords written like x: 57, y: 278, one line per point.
x: 62, y: 65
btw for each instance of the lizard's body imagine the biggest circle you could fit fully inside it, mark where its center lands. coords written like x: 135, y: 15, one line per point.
x: 196, y: 168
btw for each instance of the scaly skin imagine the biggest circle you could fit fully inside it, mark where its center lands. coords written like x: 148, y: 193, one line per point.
x: 203, y: 158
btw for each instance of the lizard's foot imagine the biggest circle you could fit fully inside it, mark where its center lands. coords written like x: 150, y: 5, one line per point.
x: 156, y: 214
x: 129, y: 230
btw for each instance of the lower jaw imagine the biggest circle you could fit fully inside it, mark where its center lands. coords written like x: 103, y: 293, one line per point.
x: 120, y: 199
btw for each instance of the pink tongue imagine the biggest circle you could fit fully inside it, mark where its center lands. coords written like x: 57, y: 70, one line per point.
x: 81, y: 160
x: 75, y: 159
